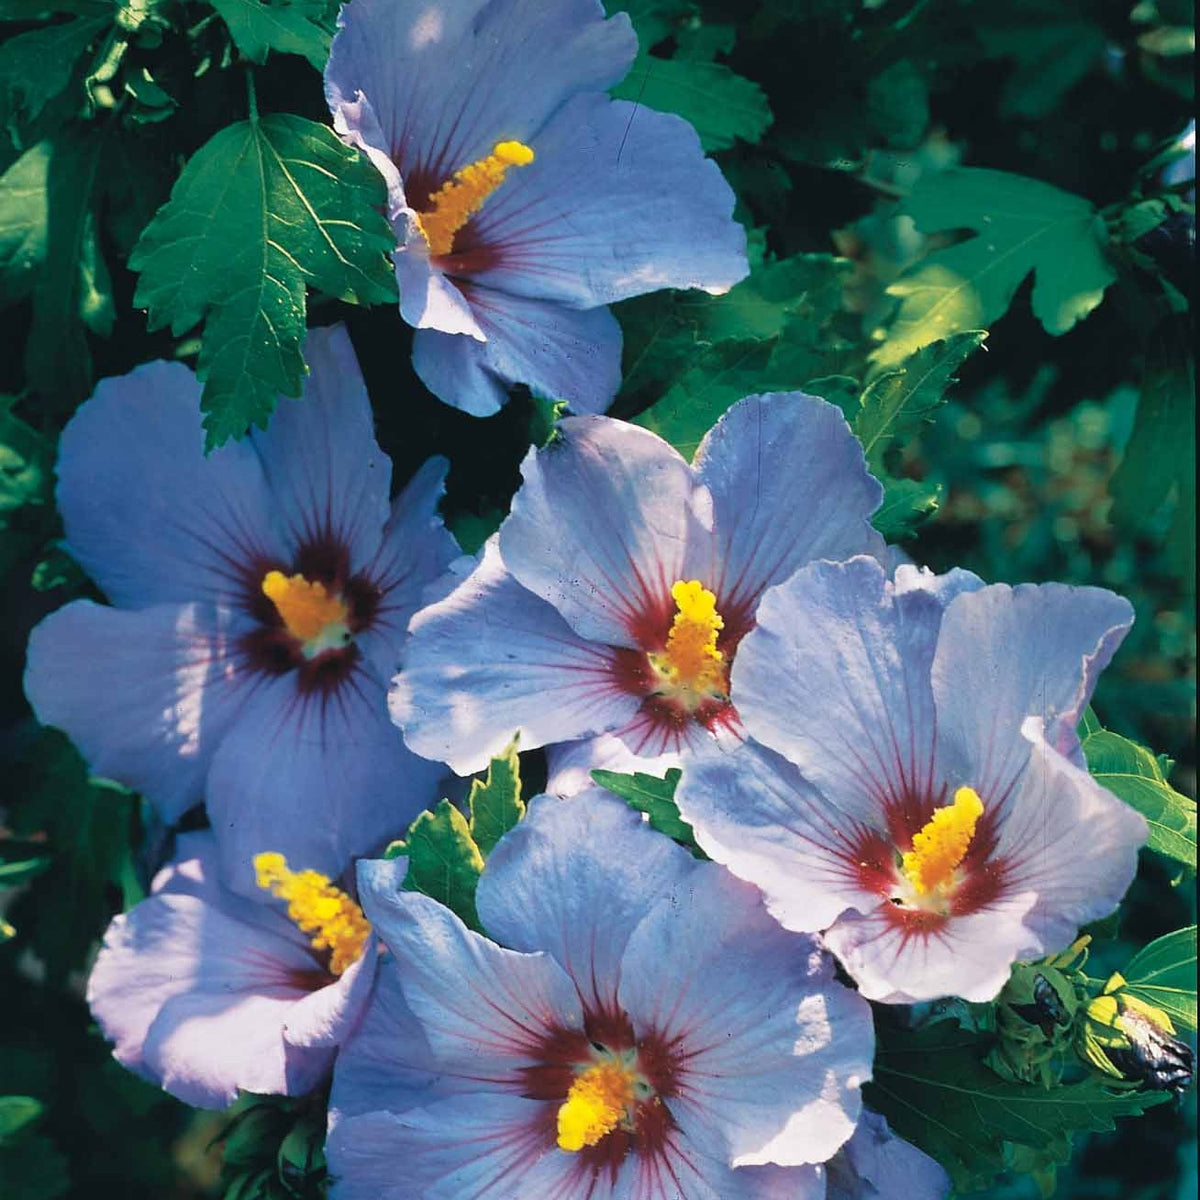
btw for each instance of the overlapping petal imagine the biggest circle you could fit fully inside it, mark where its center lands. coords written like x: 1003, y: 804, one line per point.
x: 774, y: 1054
x: 147, y: 695
x: 206, y: 993
x: 789, y: 485
x: 574, y: 879
x: 478, y: 656
x: 146, y: 514
x: 560, y: 352
x: 619, y: 201
x: 321, y: 778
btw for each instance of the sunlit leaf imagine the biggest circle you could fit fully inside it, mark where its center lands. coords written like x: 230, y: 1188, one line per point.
x: 1164, y: 974
x: 1020, y: 226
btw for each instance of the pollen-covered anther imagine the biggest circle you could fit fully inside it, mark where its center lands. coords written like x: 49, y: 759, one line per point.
x: 461, y: 197
x: 317, y: 907
x: 940, y: 846
x: 310, y: 614
x: 598, y: 1102
x: 690, y: 665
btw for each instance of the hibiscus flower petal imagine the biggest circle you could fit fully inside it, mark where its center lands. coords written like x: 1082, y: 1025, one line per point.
x: 771, y: 1052
x: 574, y: 878
x: 601, y: 527
x: 491, y: 660
x: 1008, y: 653
x: 836, y: 678
x: 560, y: 352
x: 789, y: 485
x: 447, y: 81
x: 486, y: 1012
x: 417, y: 549
x: 619, y: 201
x: 146, y: 695
x: 329, y: 480
x: 147, y: 515
x: 320, y: 778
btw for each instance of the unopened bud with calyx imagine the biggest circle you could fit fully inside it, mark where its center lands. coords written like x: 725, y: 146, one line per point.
x: 1128, y: 1037
x: 1037, y: 1015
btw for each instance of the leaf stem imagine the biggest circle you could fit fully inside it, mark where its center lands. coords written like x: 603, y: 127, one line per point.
x: 251, y: 96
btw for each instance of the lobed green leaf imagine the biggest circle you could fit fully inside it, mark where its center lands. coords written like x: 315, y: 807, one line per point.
x: 263, y: 210
x: 1164, y: 974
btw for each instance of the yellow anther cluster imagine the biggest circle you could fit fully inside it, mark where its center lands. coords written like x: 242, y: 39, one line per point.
x: 318, y: 907
x: 460, y: 198
x: 691, y: 659
x: 597, y: 1103
x: 307, y: 608
x: 942, y: 843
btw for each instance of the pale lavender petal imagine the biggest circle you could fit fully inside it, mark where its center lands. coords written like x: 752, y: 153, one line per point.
x: 773, y: 1051
x: 329, y: 480
x: 320, y: 778
x: 836, y: 678
x: 1009, y: 653
x: 789, y: 485
x: 147, y: 695
x: 447, y: 81
x: 486, y: 1012
x: 570, y: 764
x: 387, y: 1064
x: 753, y: 812
x: 574, y: 878
x: 493, y: 659
x: 619, y: 201
x: 969, y: 956
x: 601, y: 527
x: 197, y: 1000
x: 1077, y: 879
x: 417, y: 549
x: 481, y: 1147
x: 561, y: 353
x: 147, y: 515
x: 875, y: 1164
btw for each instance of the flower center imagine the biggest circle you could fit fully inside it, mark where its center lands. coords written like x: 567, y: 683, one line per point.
x: 311, y: 615
x: 461, y: 197
x: 690, y: 668
x: 598, y: 1102
x: 317, y: 907
x: 942, y: 843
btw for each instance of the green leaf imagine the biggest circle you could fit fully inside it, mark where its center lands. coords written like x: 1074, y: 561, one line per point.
x: 50, y: 250
x: 14, y: 873
x: 696, y: 356
x: 495, y: 802
x: 38, y: 65
x: 721, y: 105
x: 721, y: 375
x: 656, y: 798
x: 907, y: 505
x: 1134, y: 775
x: 1021, y: 225
x: 443, y: 860
x: 935, y: 1091
x: 1164, y: 974
x: 1159, y: 463
x: 897, y: 402
x: 16, y: 1112
x: 89, y: 827
x: 288, y: 26
x: 262, y: 210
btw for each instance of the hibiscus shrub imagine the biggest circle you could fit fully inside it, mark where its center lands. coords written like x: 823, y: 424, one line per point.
x: 599, y: 599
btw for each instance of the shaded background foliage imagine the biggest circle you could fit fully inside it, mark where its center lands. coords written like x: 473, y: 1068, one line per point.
x: 1065, y: 451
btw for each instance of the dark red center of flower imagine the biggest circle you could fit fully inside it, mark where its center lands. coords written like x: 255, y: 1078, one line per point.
x: 936, y: 860
x: 681, y: 671
x: 308, y: 616
x: 604, y: 1090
